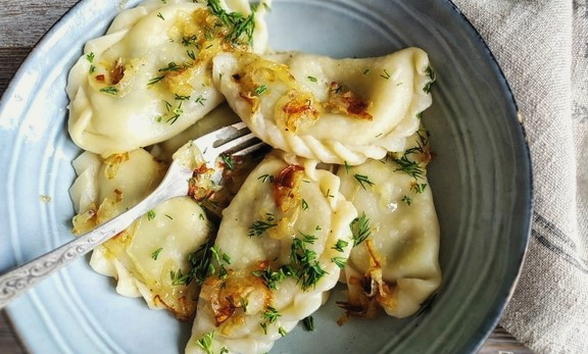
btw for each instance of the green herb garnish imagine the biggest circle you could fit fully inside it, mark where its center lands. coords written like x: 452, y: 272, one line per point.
x: 260, y: 90
x: 109, y: 90
x: 156, y: 253
x: 340, y: 245
x: 407, y: 200
x: 206, y: 342
x: 266, y: 178
x: 200, y: 99
x: 304, y: 205
x: 155, y: 80
x: 339, y: 261
x: 305, y: 265
x: 385, y: 75
x: 360, y: 228
x: 228, y: 161
x: 171, y: 66
x: 312, y: 78
x: 410, y: 167
x: 271, y: 314
x: 160, y: 16
x: 363, y: 180
x: 308, y: 323
x: 259, y: 227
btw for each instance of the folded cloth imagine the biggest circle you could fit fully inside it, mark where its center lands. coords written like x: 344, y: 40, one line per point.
x: 542, y: 46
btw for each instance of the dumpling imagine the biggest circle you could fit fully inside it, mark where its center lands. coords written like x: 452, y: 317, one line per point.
x: 395, y: 261
x: 153, y: 257
x: 331, y: 110
x: 149, y: 77
x: 280, y: 247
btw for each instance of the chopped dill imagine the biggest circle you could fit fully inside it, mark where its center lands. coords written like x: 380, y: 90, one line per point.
x: 109, y: 90
x: 260, y: 90
x: 206, y: 342
x: 228, y: 161
x: 304, y: 204
x: 407, y: 200
x: 363, y: 180
x: 156, y: 253
x: 308, y: 323
x: 360, y: 228
x: 340, y: 245
x: 155, y: 80
x: 259, y: 227
x: 339, y: 261
x: 266, y: 178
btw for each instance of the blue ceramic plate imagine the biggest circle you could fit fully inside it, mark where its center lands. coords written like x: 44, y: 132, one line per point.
x: 481, y: 180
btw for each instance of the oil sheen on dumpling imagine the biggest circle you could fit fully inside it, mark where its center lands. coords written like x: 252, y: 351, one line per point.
x: 149, y: 77
x: 279, y: 248
x: 150, y: 258
x: 395, y: 265
x: 331, y: 110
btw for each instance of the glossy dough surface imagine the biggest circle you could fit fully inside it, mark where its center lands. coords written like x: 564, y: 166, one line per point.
x: 234, y: 311
x: 149, y: 77
x: 142, y: 257
x: 400, y: 257
x: 331, y: 110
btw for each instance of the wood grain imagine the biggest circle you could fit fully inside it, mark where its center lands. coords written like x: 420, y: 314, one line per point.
x: 22, y: 24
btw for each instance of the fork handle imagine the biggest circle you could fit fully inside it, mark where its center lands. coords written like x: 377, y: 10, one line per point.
x: 22, y: 278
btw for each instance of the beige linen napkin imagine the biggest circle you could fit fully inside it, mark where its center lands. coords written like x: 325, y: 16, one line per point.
x: 542, y: 46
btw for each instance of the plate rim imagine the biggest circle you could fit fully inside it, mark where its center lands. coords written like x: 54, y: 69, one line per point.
x: 488, y: 325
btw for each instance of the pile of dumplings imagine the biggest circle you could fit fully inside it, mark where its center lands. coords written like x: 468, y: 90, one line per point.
x: 343, y: 197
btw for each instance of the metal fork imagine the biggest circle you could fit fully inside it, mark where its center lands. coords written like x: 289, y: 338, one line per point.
x: 235, y: 140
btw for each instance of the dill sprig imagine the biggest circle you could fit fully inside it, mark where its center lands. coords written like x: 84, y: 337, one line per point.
x: 260, y: 90
x: 340, y: 245
x: 266, y: 178
x: 339, y: 261
x: 360, y: 228
x: 308, y: 323
x: 407, y: 200
x: 171, y: 66
x: 273, y: 278
x: 180, y: 278
x: 156, y: 253
x: 259, y: 227
x: 155, y: 80
x: 109, y: 90
x: 304, y: 205
x: 271, y: 314
x: 304, y: 263
x: 206, y: 342
x: 240, y: 27
x: 200, y: 99
x: 363, y: 180
x: 228, y: 161
x: 410, y: 167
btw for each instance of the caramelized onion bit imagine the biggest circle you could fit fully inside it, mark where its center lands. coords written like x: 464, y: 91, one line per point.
x: 117, y: 72
x: 296, y: 110
x: 343, y: 100
x: 287, y: 187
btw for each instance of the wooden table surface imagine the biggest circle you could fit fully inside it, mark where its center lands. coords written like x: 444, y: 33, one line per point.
x: 22, y: 24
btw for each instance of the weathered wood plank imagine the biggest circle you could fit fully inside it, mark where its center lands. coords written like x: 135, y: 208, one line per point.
x: 9, y: 342
x: 23, y: 23
x: 10, y: 60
